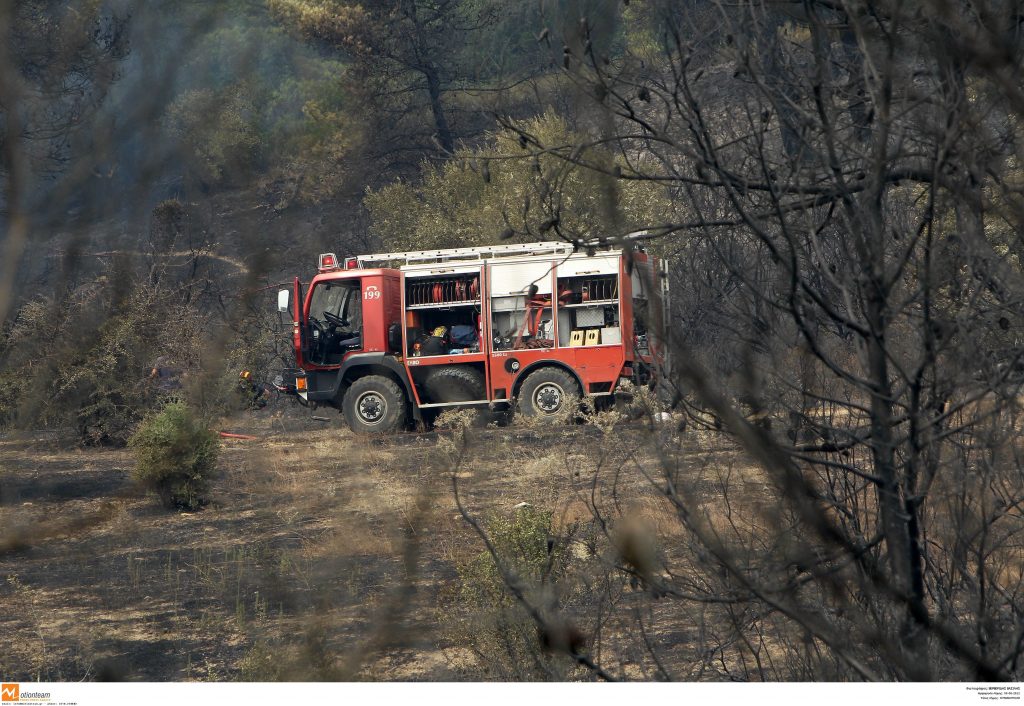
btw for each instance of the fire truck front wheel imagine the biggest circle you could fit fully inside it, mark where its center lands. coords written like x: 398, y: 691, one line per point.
x: 549, y: 393
x: 374, y: 405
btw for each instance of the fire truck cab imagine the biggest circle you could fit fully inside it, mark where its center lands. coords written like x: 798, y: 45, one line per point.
x: 390, y: 337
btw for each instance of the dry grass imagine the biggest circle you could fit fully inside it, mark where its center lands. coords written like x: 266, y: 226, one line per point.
x: 300, y: 554
x: 327, y: 556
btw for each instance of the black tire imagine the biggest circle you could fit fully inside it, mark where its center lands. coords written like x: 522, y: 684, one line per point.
x: 455, y: 383
x: 549, y: 393
x: 374, y: 405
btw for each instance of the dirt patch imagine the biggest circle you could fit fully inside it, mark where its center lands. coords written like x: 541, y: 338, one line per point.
x: 320, y: 556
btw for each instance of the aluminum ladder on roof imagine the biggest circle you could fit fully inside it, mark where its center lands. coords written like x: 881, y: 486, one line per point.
x: 486, y: 252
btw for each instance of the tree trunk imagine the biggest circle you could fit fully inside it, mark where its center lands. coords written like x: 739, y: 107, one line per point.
x: 444, y: 132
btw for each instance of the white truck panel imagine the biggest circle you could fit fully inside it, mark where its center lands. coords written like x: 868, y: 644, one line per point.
x: 596, y: 265
x: 516, y: 277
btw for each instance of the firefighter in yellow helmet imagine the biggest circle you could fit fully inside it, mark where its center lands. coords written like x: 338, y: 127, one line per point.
x: 253, y: 392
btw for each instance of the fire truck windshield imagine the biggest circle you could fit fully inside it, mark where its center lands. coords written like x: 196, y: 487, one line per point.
x: 337, y: 300
x: 335, y: 321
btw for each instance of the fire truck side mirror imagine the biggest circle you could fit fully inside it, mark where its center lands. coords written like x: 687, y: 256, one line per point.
x: 283, y: 296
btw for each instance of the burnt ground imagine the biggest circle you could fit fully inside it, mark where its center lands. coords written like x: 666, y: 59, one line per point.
x: 319, y: 555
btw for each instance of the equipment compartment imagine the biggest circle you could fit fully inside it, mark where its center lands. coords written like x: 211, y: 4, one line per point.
x: 427, y: 292
x: 443, y: 314
x: 588, y: 310
x: 519, y: 322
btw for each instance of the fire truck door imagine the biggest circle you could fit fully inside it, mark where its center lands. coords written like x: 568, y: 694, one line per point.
x: 335, y: 316
x: 299, y: 333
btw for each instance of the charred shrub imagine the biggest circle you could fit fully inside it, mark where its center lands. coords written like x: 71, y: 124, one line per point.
x: 176, y: 456
x: 83, y: 360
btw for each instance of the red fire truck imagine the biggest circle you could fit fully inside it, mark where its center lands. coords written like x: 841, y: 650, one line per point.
x: 391, y: 338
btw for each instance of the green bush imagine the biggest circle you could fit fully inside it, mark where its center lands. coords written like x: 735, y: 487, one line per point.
x: 176, y: 456
x: 261, y: 663
x: 521, y: 542
x: 488, y: 619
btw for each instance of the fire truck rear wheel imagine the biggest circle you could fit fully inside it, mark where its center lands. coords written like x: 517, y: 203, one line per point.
x: 374, y: 405
x: 549, y: 393
x: 455, y: 383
